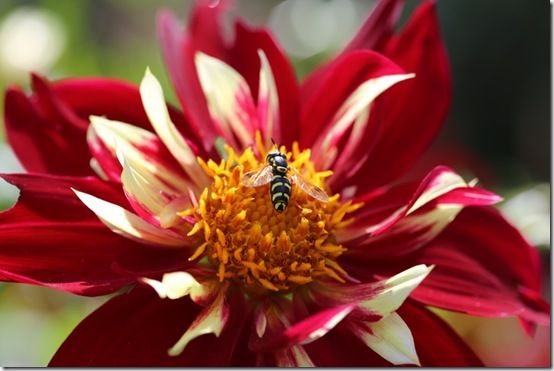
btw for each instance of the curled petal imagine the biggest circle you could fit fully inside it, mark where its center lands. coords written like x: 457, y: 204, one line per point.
x: 305, y: 331
x: 153, y: 100
x: 389, y: 337
x: 434, y: 203
x: 211, y: 320
x: 130, y: 225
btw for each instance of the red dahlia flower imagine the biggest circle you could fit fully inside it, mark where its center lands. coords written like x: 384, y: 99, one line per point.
x: 126, y: 191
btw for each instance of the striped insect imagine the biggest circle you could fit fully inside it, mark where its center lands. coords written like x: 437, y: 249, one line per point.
x: 276, y: 173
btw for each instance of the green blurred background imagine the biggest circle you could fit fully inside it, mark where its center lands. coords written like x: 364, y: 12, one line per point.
x: 498, y: 128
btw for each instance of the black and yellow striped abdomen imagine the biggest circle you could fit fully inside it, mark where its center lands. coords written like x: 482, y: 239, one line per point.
x: 279, y: 191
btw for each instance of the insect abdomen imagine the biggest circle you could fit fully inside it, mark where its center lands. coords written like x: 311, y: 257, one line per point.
x: 280, y: 192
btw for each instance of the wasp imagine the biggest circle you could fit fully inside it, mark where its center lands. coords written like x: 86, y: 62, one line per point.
x: 276, y: 172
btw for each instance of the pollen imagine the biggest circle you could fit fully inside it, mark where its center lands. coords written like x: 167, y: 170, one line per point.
x: 247, y: 241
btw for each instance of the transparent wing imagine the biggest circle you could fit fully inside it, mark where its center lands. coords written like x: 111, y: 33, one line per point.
x: 258, y: 177
x: 308, y: 187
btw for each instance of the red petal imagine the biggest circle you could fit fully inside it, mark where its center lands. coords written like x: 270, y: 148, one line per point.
x: 373, y: 35
x: 436, y: 343
x: 347, y: 74
x: 204, y: 34
x: 137, y: 328
x: 47, y: 130
x: 50, y: 238
x: 42, y: 144
x: 340, y: 348
x: 387, y: 208
x: 178, y: 53
x: 410, y: 115
x: 114, y: 99
x: 484, y: 267
x: 243, y: 56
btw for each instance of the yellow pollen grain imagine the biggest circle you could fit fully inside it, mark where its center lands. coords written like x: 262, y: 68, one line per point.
x: 301, y: 280
x: 199, y: 251
x: 247, y: 241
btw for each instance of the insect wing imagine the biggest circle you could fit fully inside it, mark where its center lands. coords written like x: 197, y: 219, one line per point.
x: 258, y: 177
x: 311, y: 189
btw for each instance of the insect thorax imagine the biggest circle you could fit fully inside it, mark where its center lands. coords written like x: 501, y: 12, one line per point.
x: 278, y: 162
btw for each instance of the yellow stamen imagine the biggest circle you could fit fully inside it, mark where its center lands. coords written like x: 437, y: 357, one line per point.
x: 246, y: 240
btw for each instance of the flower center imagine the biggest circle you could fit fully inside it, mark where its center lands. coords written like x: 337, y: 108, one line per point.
x: 247, y: 240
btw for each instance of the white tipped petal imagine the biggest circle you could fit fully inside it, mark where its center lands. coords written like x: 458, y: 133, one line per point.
x: 391, y: 338
x: 154, y: 194
x: 176, y: 285
x: 425, y: 225
x: 154, y: 104
x: 261, y: 323
x: 268, y: 102
x: 211, y: 320
x: 95, y: 166
x: 443, y: 183
x: 128, y: 224
x: 355, y: 105
x: 131, y: 143
x: 229, y: 99
x: 363, y: 96
x: 395, y: 290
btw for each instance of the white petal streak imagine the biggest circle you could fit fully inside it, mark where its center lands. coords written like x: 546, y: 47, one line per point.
x: 126, y: 142
x: 346, y: 115
x: 154, y: 104
x: 128, y: 224
x: 211, y: 320
x: 395, y: 290
x: 268, y: 102
x: 261, y: 323
x: 347, y: 163
x: 389, y: 337
x: 402, y: 220
x: 229, y: 99
x: 443, y: 183
x: 176, y: 285
x: 150, y: 193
